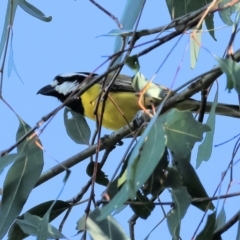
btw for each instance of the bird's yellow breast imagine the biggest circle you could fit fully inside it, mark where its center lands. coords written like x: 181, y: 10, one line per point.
x: 113, y: 118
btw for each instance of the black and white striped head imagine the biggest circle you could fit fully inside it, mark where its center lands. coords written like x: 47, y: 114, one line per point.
x: 63, y: 85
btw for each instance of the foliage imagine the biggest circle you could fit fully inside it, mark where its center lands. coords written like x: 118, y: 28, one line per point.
x: 158, y: 163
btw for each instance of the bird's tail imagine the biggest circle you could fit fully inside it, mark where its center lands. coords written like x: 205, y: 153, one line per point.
x: 229, y: 110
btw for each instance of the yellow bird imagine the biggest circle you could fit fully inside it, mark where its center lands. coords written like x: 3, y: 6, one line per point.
x: 122, y: 103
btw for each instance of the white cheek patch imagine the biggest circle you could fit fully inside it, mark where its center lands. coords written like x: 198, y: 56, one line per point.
x: 54, y: 83
x: 66, y: 87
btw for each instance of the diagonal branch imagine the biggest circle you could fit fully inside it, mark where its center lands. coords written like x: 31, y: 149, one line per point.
x: 115, y: 19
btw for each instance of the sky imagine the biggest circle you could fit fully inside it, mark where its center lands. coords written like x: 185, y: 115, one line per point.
x: 73, y: 41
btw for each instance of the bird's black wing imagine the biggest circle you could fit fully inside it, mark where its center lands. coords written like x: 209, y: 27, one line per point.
x: 123, y: 83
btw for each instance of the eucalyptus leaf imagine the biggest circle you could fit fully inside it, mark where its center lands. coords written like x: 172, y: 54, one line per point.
x: 147, y: 152
x: 142, y: 210
x: 221, y: 219
x: 179, y: 8
x: 205, y: 148
x: 7, y: 160
x: 32, y: 10
x: 226, y: 12
x: 21, y: 177
x: 9, y: 18
x: 30, y: 226
x: 182, y: 201
x: 191, y: 181
x: 141, y: 83
x: 15, y: 232
x: 107, y: 229
x: 133, y: 63
x: 208, y: 230
x: 129, y: 17
x: 101, y: 177
x: 195, y: 44
x: 76, y: 127
x: 182, y: 131
x: 210, y: 25
x: 232, y: 71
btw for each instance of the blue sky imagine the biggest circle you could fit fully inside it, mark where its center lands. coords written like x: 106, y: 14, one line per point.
x: 70, y: 43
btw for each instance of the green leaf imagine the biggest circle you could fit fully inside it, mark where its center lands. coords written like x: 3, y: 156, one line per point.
x: 147, y: 152
x: 172, y: 179
x: 144, y: 158
x: 195, y: 44
x: 232, y: 70
x: 43, y: 227
x: 182, y: 131
x: 40, y: 210
x: 156, y: 92
x: 205, y: 149
x: 144, y: 210
x: 30, y: 226
x: 107, y: 229
x: 10, y: 14
x: 81, y: 223
x: 76, y: 127
x: 191, y: 181
x: 101, y: 177
x: 210, y: 25
x: 178, y: 8
x: 155, y: 183
x: 21, y: 178
x: 9, y: 18
x: 221, y: 219
x: 30, y: 9
x: 7, y: 160
x: 116, y: 184
x: 226, y: 12
x: 133, y: 63
x: 207, y: 232
x: 128, y: 19
x: 182, y: 201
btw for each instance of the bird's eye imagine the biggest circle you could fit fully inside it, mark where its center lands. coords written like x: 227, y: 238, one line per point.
x: 60, y: 79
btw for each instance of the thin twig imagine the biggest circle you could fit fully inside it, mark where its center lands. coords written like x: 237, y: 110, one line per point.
x: 115, y: 19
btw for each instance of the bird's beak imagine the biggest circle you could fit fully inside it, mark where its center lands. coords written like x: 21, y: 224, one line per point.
x: 47, y: 90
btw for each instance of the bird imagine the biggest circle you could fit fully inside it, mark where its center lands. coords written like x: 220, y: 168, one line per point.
x: 122, y: 103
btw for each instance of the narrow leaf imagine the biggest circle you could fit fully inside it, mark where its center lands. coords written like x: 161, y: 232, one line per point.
x: 107, y: 229
x: 133, y: 63
x: 144, y: 210
x: 30, y: 9
x: 192, y: 182
x: 221, y: 219
x: 9, y: 17
x: 40, y: 210
x: 128, y: 19
x: 7, y: 160
x: 210, y: 25
x: 205, y: 149
x: 182, y: 131
x: 232, y: 71
x: 20, y: 179
x: 207, y: 232
x: 30, y: 225
x: 76, y: 127
x: 148, y: 150
x: 195, y: 44
x: 182, y: 201
x: 226, y: 12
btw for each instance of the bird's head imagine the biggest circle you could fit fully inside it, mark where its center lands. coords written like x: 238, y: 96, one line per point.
x: 63, y: 85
